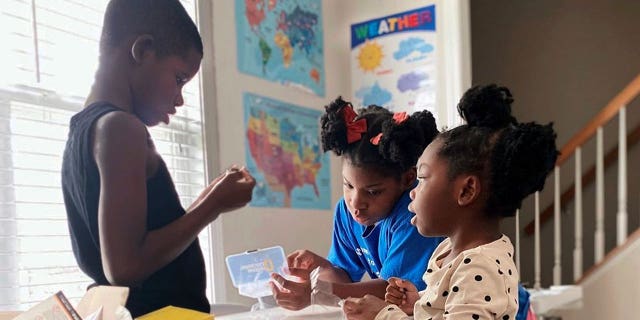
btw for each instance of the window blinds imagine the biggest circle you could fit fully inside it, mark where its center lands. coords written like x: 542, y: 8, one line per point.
x: 48, y: 59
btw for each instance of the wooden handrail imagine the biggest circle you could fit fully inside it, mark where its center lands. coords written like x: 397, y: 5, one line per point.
x: 612, y: 156
x: 622, y: 99
x: 630, y: 92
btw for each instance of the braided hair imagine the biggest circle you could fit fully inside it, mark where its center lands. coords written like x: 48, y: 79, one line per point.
x: 398, y: 148
x: 512, y: 159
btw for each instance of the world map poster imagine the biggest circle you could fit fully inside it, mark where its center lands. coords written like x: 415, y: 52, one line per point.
x: 393, y: 61
x: 281, y: 41
x: 283, y: 153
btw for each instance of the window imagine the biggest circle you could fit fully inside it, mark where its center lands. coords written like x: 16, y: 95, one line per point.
x: 48, y: 59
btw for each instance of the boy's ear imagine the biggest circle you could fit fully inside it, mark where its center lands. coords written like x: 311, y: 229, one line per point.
x: 409, y: 178
x: 468, y: 190
x: 143, y: 44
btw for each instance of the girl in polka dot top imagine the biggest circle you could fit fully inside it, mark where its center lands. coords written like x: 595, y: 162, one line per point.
x: 470, y: 178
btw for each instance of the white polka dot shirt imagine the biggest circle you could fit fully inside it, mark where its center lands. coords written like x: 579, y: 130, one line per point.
x: 480, y: 283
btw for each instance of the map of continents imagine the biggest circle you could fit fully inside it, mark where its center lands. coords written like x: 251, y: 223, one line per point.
x: 283, y: 153
x: 281, y: 41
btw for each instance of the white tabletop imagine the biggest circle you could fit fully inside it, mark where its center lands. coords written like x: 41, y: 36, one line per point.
x: 314, y: 312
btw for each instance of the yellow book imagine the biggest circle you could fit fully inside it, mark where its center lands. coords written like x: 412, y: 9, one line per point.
x: 171, y: 312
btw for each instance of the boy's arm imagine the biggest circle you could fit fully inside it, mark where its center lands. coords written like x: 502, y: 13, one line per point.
x: 130, y: 253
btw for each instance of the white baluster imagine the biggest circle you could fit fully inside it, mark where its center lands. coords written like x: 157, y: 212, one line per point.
x: 599, y: 232
x: 622, y: 177
x: 536, y: 284
x: 518, y: 242
x: 557, y: 264
x: 577, y: 251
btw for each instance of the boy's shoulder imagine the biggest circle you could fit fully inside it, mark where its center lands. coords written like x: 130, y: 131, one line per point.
x: 94, y: 111
x: 119, y: 130
x: 119, y: 121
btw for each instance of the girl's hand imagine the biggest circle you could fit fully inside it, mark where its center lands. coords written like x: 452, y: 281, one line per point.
x: 402, y: 293
x: 304, y: 260
x: 290, y: 294
x: 365, y: 308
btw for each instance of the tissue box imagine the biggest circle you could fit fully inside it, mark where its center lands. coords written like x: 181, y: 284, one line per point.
x: 109, y: 298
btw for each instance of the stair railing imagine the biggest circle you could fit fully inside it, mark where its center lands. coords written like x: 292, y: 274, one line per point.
x: 573, y: 148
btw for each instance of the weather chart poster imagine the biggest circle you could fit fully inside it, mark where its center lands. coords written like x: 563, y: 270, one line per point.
x: 393, y: 61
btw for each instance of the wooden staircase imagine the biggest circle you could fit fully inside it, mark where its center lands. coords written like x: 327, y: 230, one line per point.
x: 546, y: 301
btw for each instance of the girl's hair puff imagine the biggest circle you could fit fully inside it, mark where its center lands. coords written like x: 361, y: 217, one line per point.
x: 400, y: 145
x: 512, y: 159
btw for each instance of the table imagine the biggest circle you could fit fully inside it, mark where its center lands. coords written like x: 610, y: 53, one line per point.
x: 8, y: 315
x: 314, y: 312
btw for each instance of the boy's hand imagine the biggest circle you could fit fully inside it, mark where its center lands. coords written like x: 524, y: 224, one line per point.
x: 234, y: 190
x: 229, y: 191
x: 290, y: 294
x: 402, y: 293
x: 204, y: 193
x: 365, y: 308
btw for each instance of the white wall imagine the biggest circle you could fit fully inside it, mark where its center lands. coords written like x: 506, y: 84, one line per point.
x: 613, y: 291
x: 251, y: 228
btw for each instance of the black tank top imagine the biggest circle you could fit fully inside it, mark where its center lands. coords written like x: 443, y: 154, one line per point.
x: 180, y: 283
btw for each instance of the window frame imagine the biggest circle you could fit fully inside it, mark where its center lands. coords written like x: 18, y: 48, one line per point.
x: 37, y: 94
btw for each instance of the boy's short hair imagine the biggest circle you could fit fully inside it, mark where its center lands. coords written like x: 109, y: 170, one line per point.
x: 167, y: 21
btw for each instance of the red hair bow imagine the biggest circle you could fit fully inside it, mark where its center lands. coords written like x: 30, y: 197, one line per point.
x: 400, y: 117
x: 355, y: 129
x: 376, y: 140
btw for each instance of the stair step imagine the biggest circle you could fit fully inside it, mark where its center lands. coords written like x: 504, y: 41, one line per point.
x: 546, y: 301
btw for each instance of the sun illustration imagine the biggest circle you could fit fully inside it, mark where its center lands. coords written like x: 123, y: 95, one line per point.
x: 370, y: 56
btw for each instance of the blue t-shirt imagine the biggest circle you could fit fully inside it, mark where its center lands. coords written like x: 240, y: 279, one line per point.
x: 390, y: 248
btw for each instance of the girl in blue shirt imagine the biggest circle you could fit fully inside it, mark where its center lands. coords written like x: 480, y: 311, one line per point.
x: 372, y: 230
x: 470, y: 178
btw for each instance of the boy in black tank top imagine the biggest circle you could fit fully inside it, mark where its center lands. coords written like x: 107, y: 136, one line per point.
x: 126, y: 222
